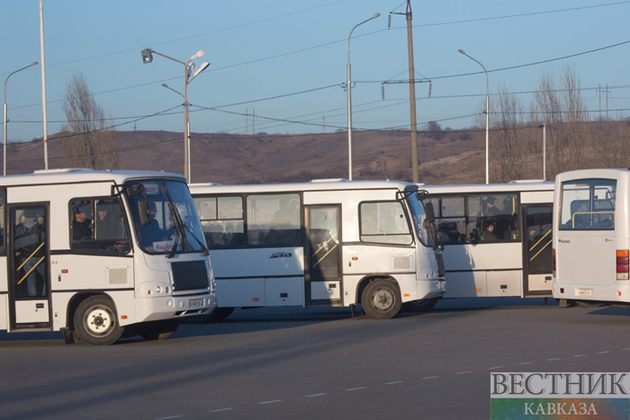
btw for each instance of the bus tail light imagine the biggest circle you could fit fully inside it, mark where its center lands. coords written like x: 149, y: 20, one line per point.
x: 622, y: 264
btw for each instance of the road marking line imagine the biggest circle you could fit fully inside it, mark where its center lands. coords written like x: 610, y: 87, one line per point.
x: 356, y: 389
x: 171, y: 417
x: 496, y: 367
x: 553, y: 359
x: 315, y: 395
x: 270, y: 402
x: 526, y: 363
x: 579, y: 355
x: 430, y: 377
x: 221, y: 409
x: 393, y: 383
x: 627, y: 348
x: 462, y: 373
x: 603, y: 352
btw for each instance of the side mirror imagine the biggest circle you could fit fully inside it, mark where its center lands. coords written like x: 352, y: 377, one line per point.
x: 143, y: 212
x: 428, y: 210
x: 135, y: 190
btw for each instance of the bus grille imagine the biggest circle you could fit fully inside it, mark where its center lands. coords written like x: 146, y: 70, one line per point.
x: 189, y: 275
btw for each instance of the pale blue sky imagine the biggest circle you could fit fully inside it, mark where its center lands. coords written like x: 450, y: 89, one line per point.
x: 286, y: 60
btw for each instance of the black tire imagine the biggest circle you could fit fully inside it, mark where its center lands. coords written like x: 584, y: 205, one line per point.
x: 157, y: 330
x: 96, y: 321
x: 423, y: 305
x: 219, y: 314
x: 381, y: 299
x: 588, y: 304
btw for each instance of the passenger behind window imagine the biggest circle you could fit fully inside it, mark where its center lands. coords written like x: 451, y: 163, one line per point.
x: 488, y: 231
x: 81, y: 225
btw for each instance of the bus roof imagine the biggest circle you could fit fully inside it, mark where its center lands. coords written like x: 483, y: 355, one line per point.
x: 82, y: 175
x: 594, y: 173
x: 520, y: 185
x: 315, y: 185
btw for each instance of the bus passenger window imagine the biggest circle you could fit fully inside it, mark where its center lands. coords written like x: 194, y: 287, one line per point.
x: 384, y: 223
x: 274, y: 219
x: 493, y: 218
x: 450, y: 217
x: 221, y: 221
x: 98, y: 225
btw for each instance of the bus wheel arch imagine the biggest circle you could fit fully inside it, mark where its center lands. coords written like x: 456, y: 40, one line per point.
x: 95, y: 319
x: 380, y: 297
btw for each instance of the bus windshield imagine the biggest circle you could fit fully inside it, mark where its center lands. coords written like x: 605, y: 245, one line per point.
x: 425, y: 235
x: 173, y: 226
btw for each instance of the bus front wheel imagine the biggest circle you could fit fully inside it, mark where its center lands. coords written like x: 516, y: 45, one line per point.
x: 95, y: 321
x: 381, y: 299
x: 422, y: 305
x: 158, y: 330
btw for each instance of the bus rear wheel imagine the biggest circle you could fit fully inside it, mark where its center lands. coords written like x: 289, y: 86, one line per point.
x: 96, y: 322
x: 381, y: 299
x: 157, y: 330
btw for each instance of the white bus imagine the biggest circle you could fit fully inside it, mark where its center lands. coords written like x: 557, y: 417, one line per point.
x: 496, y: 238
x: 327, y: 243
x: 592, y: 237
x: 98, y: 253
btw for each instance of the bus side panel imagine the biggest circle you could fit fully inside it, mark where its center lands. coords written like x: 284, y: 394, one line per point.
x: 257, y: 262
x: 74, y: 272
x: 465, y: 284
x: 501, y: 274
x: 240, y: 293
x: 250, y: 277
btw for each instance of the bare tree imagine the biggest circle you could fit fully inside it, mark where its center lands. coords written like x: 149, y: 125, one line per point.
x: 562, y: 109
x: 92, y: 142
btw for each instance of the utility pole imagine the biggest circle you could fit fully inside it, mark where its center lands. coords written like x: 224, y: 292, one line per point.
x: 412, y: 95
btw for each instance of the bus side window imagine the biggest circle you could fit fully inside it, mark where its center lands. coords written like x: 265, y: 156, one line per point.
x: 493, y: 218
x: 384, y: 223
x: 98, y: 225
x: 274, y: 219
x: 221, y: 221
x: 450, y: 217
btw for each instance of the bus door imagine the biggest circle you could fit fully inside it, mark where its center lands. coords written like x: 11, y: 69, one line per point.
x: 323, y: 272
x: 537, y: 260
x: 28, y: 259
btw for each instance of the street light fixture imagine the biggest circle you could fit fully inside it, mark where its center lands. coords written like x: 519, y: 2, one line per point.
x: 4, y: 167
x: 189, y: 76
x: 348, y: 87
x: 487, y: 111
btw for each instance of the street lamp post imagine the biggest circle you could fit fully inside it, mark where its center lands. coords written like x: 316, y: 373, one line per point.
x: 4, y: 167
x: 487, y: 111
x: 348, y: 87
x: 189, y: 67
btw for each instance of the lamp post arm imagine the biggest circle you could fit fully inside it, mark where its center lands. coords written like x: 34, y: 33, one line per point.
x: 166, y: 56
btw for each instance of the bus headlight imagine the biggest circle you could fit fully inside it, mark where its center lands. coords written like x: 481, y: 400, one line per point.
x: 154, y: 289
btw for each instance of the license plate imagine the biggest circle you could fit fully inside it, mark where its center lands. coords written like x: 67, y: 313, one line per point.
x: 584, y: 292
x: 195, y: 303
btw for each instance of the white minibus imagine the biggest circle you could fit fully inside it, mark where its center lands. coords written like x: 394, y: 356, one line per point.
x: 592, y: 237
x: 325, y: 242
x: 96, y: 254
x: 496, y: 238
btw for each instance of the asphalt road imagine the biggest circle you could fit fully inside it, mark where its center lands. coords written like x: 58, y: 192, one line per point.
x: 289, y: 363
